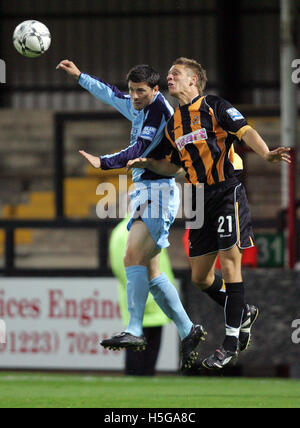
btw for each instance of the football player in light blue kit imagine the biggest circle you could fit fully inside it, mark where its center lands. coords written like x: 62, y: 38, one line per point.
x: 154, y: 205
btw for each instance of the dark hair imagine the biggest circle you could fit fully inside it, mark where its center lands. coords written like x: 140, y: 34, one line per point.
x: 196, y: 68
x: 143, y: 73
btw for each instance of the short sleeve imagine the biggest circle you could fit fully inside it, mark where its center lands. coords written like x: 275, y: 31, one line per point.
x: 228, y: 116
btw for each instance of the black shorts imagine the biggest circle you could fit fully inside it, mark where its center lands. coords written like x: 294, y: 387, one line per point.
x: 227, y: 221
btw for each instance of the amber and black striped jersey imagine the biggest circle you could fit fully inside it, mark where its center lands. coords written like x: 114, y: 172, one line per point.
x: 200, y: 138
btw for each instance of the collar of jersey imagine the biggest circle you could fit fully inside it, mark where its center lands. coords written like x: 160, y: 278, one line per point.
x: 196, y: 99
x: 193, y: 100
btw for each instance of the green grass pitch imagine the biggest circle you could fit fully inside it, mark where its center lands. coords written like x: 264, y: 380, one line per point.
x: 39, y: 390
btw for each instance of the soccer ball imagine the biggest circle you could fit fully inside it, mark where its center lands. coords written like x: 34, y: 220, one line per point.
x: 31, y: 38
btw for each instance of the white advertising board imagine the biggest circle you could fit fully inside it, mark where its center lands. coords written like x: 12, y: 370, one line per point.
x: 57, y: 323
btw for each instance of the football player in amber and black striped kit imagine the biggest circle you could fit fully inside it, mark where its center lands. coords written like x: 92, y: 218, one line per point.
x: 199, y: 138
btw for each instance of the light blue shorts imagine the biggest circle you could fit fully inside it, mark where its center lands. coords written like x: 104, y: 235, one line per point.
x: 156, y: 202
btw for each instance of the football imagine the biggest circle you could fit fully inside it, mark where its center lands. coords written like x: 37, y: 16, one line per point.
x: 31, y: 38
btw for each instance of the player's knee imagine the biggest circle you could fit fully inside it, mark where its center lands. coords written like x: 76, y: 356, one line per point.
x: 133, y: 258
x: 202, y: 282
x: 231, y: 264
x: 227, y: 268
x: 230, y: 269
x: 130, y: 259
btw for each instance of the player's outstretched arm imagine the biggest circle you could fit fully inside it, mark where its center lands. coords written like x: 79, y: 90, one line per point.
x: 93, y: 160
x: 278, y: 155
x: 161, y: 167
x: 256, y: 143
x: 70, y: 68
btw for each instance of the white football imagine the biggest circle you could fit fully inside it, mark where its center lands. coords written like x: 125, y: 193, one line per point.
x: 31, y: 38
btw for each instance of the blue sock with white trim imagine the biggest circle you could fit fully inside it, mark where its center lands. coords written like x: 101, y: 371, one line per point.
x: 167, y: 298
x: 137, y: 293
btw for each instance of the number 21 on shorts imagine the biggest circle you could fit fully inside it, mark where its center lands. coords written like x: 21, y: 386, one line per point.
x: 225, y: 224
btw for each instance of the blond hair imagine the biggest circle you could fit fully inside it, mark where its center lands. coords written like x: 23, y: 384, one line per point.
x: 196, y: 68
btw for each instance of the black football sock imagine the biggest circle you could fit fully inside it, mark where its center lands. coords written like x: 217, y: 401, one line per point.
x: 215, y: 291
x: 234, y: 310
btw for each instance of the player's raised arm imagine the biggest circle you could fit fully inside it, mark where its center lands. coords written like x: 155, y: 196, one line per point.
x: 93, y: 160
x: 100, y: 89
x: 257, y: 144
x: 70, y: 68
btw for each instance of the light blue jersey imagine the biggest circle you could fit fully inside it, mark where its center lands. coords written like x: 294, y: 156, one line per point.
x: 147, y: 131
x: 147, y: 125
